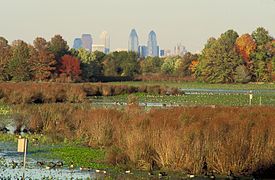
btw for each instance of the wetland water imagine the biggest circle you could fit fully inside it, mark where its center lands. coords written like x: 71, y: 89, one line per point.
x: 11, y: 167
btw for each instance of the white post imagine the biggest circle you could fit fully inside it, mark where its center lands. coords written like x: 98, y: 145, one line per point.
x: 25, y: 157
x: 250, y: 98
x: 260, y: 100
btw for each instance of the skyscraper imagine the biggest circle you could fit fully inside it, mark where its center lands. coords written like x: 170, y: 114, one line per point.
x: 133, y: 43
x: 77, y: 43
x: 87, y: 42
x: 152, y: 45
x: 105, y: 40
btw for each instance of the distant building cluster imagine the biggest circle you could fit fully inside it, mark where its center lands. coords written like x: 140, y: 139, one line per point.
x: 152, y: 48
x: 179, y: 50
x: 86, y: 42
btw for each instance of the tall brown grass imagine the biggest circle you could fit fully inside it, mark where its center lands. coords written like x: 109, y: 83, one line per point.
x: 240, y: 139
x: 27, y: 93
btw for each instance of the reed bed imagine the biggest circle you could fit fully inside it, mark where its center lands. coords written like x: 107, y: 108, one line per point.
x: 240, y: 139
x: 38, y: 93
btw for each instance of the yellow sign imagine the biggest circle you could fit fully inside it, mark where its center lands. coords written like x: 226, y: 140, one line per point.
x: 22, y: 144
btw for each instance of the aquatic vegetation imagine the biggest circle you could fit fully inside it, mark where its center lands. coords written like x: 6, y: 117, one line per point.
x: 201, y: 85
x: 196, y: 99
x: 4, y: 109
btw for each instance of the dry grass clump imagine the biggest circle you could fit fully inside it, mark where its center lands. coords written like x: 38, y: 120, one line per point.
x: 240, y: 139
x: 27, y: 93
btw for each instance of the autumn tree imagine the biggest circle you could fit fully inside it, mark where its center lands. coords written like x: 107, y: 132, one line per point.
x: 19, y: 65
x: 70, y: 67
x: 245, y: 46
x: 42, y: 60
x: 182, y: 66
x: 5, y: 56
x: 193, y: 66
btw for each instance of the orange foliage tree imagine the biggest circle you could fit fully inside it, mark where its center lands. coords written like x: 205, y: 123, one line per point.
x: 245, y: 45
x: 70, y: 66
x: 43, y: 62
x: 193, y: 66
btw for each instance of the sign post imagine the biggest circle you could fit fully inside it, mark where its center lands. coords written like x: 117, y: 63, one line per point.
x: 22, y: 147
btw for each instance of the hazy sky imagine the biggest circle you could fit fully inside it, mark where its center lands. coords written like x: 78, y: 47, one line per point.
x: 190, y: 22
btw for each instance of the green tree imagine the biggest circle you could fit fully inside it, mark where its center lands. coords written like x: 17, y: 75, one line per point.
x: 202, y: 60
x: 5, y: 56
x: 220, y: 59
x: 91, y: 63
x: 262, y: 57
x: 242, y: 74
x: 261, y: 62
x: 271, y: 51
x: 261, y: 36
x: 111, y: 66
x: 151, y: 65
x: 19, y: 66
x: 169, y: 65
x: 129, y: 64
x: 121, y: 64
x: 58, y: 46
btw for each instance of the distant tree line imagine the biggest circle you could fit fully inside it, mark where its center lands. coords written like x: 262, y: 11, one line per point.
x: 230, y: 58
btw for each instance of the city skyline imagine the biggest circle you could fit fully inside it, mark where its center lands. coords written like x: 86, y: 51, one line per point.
x: 190, y: 22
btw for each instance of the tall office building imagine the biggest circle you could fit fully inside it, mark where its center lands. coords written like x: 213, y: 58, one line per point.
x: 77, y: 43
x: 152, y: 47
x: 87, y: 42
x: 133, y: 43
x: 105, y: 40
